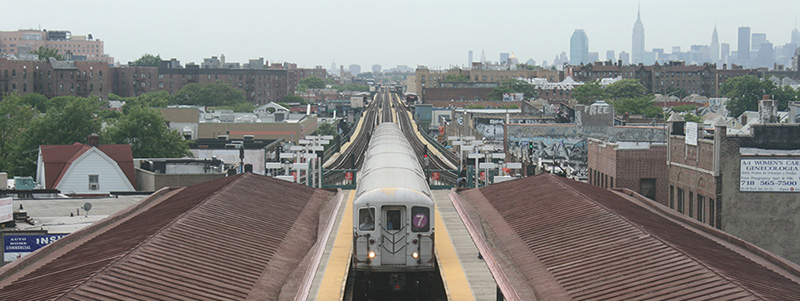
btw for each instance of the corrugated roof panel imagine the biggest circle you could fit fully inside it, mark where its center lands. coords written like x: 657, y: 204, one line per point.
x: 597, y: 245
x: 214, y: 241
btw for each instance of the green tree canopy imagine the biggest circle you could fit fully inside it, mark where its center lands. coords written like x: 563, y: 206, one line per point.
x: 626, y: 88
x: 673, y: 91
x: 44, y: 53
x: 684, y: 108
x: 216, y: 94
x: 293, y: 99
x: 589, y: 93
x: 312, y: 82
x: 145, y: 129
x: 158, y: 99
x: 512, y: 86
x: 72, y: 120
x: 17, y: 116
x: 744, y: 92
x: 148, y: 60
x: 455, y: 78
x: 641, y: 105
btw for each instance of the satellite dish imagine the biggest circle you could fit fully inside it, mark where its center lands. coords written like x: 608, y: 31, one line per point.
x: 87, y: 207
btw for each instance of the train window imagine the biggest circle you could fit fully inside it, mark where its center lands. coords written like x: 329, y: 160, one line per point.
x: 366, y: 219
x: 420, y: 219
x: 393, y: 220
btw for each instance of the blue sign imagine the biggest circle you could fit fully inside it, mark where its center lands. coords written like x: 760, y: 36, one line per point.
x: 27, y: 243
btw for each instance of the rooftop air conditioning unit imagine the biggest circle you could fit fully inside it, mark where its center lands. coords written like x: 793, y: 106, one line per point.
x: 94, y: 186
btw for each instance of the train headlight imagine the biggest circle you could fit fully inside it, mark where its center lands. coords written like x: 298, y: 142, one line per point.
x: 371, y: 254
x: 415, y: 255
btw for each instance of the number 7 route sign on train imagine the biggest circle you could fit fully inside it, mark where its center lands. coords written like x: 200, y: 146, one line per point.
x: 420, y: 220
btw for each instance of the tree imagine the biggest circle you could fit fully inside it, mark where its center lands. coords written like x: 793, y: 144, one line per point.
x: 16, y: 115
x: 148, y: 60
x: 312, y: 82
x: 669, y: 91
x: 684, y: 108
x: 512, y: 86
x: 455, y: 78
x: 293, y: 99
x: 35, y: 100
x: 145, y: 129
x: 626, y: 88
x: 689, y: 117
x: 72, y: 120
x: 216, y: 94
x: 744, y: 92
x: 158, y: 99
x: 588, y: 93
x: 641, y: 105
x: 44, y: 53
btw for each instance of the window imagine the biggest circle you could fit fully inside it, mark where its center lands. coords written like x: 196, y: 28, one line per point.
x: 94, y: 182
x: 691, y: 204
x: 680, y: 200
x: 711, y: 211
x: 701, y: 207
x: 420, y: 219
x: 671, y: 197
x: 366, y: 219
x: 393, y: 218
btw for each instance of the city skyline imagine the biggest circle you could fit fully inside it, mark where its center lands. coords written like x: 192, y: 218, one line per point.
x: 409, y: 33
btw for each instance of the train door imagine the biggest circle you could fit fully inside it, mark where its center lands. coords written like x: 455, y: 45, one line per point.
x: 393, y: 235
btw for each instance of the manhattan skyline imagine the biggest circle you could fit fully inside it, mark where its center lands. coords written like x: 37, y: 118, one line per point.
x: 435, y: 34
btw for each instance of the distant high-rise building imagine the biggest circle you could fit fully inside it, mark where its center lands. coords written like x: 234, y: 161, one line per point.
x: 355, y: 69
x: 637, y: 48
x: 743, y: 51
x: 578, y: 48
x: 530, y: 62
x: 71, y: 47
x: 756, y: 40
x: 713, y: 50
x: 765, y: 57
x: 333, y: 68
x: 676, y: 49
x: 796, y: 36
x: 504, y: 58
x: 593, y: 57
x: 469, y: 63
x: 376, y: 69
x: 725, y: 52
x: 483, y: 56
x: 625, y: 58
x: 610, y: 55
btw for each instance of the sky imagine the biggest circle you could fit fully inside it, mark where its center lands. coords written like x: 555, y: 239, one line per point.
x: 434, y: 33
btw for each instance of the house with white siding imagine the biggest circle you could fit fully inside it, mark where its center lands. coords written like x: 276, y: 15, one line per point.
x: 86, y: 169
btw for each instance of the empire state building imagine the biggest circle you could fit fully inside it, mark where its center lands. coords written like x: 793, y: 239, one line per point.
x: 638, y: 39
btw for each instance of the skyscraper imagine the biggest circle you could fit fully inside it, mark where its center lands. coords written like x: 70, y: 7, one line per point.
x: 578, y: 48
x: 756, y: 40
x: 625, y: 58
x: 713, y: 50
x: 796, y: 36
x: 610, y: 55
x: 638, y: 38
x: 743, y: 51
x: 725, y: 52
x: 469, y: 63
x: 504, y: 58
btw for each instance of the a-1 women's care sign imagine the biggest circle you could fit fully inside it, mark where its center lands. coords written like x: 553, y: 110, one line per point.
x: 769, y: 175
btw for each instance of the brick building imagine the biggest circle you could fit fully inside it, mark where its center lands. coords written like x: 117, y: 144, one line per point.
x: 743, y: 184
x: 426, y: 78
x: 55, y: 78
x: 22, y: 42
x: 639, y: 166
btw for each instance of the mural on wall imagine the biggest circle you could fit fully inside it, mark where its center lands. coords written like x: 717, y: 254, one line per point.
x: 564, y: 156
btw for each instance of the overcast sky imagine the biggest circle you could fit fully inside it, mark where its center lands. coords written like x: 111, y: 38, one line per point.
x: 435, y: 33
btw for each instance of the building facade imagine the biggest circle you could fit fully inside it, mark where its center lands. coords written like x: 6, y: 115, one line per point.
x: 55, y: 78
x: 579, y: 48
x: 84, y: 48
x: 638, y: 166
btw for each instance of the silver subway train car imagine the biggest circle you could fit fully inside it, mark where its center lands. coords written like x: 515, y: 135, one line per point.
x: 393, y: 229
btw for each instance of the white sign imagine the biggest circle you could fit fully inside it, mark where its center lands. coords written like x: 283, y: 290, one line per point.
x: 6, y: 210
x: 691, y: 133
x: 769, y: 175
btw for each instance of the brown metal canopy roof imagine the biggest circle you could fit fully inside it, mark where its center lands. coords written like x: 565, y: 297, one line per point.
x: 240, y: 237
x: 547, y: 237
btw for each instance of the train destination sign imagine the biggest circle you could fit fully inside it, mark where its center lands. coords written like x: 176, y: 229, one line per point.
x: 769, y: 175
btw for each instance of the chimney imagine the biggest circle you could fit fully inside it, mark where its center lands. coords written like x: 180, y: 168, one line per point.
x: 94, y: 140
x: 767, y: 110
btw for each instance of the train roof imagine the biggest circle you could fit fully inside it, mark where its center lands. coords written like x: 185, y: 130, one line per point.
x: 390, y: 162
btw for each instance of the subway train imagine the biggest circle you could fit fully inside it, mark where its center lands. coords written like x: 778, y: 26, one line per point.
x: 393, y: 214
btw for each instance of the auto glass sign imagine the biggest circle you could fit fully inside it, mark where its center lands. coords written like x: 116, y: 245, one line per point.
x: 769, y: 175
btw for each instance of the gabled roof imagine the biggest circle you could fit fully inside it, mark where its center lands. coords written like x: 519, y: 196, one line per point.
x: 554, y: 238
x: 240, y: 237
x: 58, y: 158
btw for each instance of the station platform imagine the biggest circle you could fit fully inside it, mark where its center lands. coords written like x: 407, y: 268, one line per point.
x: 465, y: 276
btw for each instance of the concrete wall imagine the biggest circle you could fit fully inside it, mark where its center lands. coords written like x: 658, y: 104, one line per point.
x: 150, y: 181
x: 770, y: 220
